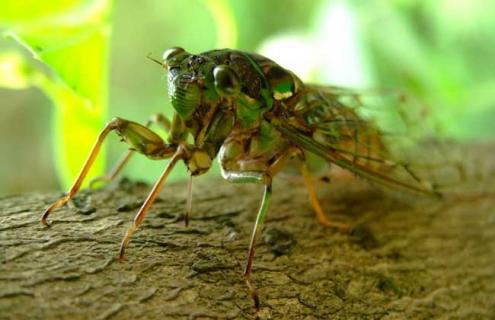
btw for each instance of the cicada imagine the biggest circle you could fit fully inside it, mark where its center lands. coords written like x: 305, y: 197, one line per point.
x: 254, y: 116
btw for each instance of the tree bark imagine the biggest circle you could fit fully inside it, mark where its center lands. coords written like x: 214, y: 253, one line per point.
x: 406, y: 256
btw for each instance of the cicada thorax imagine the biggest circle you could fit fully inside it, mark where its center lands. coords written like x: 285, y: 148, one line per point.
x: 263, y: 83
x: 244, y: 66
x: 253, y: 143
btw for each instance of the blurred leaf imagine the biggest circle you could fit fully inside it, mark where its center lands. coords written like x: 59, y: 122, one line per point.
x: 225, y: 22
x: 29, y: 10
x: 14, y: 72
x: 438, y: 50
x: 71, y: 39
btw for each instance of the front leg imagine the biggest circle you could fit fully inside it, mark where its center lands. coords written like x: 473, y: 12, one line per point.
x: 157, y: 118
x: 140, y: 138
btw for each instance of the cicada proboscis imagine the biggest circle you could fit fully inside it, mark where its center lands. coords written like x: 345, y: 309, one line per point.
x: 253, y: 115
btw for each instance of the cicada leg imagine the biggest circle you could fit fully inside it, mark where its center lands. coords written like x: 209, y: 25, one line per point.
x: 157, y: 118
x: 188, y: 200
x: 196, y: 160
x: 137, y: 136
x: 179, y: 154
x: 266, y: 179
x: 315, y: 203
x: 260, y: 217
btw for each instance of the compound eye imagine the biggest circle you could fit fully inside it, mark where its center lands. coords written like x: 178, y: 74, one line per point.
x: 169, y: 54
x: 226, y: 80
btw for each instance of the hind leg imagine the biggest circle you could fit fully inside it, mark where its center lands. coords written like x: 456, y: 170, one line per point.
x: 315, y: 203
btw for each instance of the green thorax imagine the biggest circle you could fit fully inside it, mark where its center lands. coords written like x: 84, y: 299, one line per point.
x: 263, y: 83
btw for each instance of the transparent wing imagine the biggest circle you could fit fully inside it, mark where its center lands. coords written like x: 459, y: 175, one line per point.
x: 381, y: 135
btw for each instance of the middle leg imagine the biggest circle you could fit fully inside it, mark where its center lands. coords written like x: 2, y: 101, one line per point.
x: 265, y: 178
x: 179, y: 154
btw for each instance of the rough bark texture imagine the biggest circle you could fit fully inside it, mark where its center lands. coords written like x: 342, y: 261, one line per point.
x: 408, y: 257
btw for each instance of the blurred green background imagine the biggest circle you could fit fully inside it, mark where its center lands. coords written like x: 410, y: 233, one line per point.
x: 66, y: 67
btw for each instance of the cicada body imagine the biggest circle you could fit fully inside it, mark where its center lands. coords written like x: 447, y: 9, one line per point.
x: 253, y: 116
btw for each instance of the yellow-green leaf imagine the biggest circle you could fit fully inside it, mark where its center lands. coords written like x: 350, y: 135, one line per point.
x: 71, y: 39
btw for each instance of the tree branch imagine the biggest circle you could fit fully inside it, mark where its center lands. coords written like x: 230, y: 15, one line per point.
x: 407, y: 257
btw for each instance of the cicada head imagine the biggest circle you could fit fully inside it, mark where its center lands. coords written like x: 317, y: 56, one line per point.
x: 197, y: 80
x: 183, y: 85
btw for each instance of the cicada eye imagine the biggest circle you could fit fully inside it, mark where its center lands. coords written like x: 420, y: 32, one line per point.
x: 169, y: 54
x: 226, y: 80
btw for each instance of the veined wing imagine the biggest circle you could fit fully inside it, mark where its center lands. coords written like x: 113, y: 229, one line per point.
x: 378, y: 136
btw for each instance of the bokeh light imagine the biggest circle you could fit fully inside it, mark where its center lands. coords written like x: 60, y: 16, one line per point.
x: 440, y: 51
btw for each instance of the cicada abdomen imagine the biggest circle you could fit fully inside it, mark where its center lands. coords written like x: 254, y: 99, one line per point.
x: 330, y: 122
x: 384, y: 136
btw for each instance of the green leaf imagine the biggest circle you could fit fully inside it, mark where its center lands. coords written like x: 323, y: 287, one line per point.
x: 31, y: 11
x: 71, y: 39
x: 15, y: 73
x: 224, y: 18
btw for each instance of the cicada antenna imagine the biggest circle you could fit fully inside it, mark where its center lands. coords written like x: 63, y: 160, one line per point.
x: 153, y: 59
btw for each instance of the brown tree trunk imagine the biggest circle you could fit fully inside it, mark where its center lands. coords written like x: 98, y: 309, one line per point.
x: 407, y: 257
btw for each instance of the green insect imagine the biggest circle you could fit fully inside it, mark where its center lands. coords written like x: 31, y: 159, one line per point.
x: 253, y: 116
